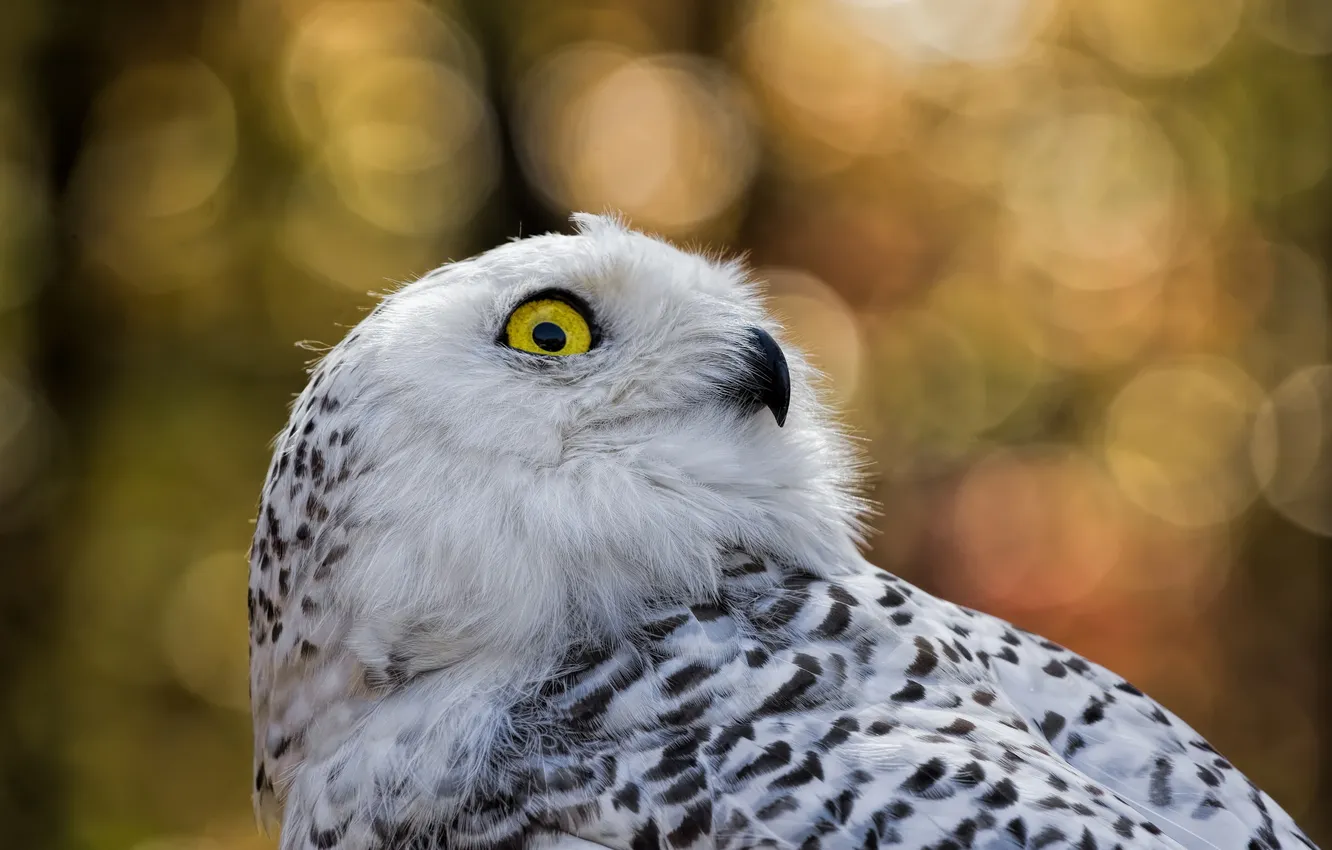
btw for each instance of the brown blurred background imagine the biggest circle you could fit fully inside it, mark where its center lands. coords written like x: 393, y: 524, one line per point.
x: 1065, y: 262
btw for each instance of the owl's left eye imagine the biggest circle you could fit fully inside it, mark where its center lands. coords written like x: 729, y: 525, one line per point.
x: 551, y: 324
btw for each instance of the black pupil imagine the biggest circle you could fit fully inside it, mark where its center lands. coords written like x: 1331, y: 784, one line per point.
x: 548, y: 336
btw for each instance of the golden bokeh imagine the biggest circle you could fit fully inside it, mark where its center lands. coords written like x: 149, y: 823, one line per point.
x: 1063, y: 265
x: 1292, y: 449
x: 384, y: 100
x: 1153, y: 39
x: 663, y: 139
x: 1176, y: 441
x: 154, y: 175
x: 821, y: 324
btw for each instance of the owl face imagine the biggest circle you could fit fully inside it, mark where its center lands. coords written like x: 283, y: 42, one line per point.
x: 572, y: 427
x: 572, y: 351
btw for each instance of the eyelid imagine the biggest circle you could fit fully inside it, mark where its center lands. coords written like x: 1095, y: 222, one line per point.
x: 573, y: 299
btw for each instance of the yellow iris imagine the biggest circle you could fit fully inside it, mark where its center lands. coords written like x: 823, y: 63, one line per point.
x: 548, y: 326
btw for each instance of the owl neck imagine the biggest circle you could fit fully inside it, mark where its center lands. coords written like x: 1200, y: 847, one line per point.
x: 529, y: 635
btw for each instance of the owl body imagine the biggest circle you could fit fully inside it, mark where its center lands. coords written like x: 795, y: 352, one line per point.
x: 560, y: 549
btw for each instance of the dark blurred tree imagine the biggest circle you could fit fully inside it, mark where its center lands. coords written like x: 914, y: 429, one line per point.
x: 74, y: 327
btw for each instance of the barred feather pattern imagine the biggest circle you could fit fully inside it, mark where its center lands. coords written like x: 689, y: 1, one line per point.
x: 789, y: 711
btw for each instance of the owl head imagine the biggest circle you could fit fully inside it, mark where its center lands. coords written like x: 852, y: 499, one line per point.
x: 532, y: 447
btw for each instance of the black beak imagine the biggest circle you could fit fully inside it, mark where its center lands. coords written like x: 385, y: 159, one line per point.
x: 765, y: 380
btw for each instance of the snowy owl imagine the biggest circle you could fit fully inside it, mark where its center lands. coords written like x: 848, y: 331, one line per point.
x: 560, y: 548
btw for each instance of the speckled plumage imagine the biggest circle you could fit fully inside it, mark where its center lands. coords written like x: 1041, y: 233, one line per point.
x: 684, y: 649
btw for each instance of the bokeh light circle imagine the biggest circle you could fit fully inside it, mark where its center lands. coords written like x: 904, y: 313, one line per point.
x: 154, y: 178
x: 827, y: 87
x: 1292, y: 449
x: 204, y: 629
x: 981, y: 32
x: 664, y: 139
x: 336, y: 44
x: 1092, y: 175
x: 400, y: 148
x: 1037, y: 527
x: 401, y: 131
x: 1176, y: 440
x: 1156, y: 38
x: 167, y: 138
x: 819, y: 322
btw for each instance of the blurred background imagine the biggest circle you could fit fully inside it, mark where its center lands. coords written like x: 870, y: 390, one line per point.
x: 1063, y: 261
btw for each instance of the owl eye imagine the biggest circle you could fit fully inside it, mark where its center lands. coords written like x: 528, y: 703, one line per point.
x: 551, y: 324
